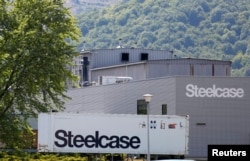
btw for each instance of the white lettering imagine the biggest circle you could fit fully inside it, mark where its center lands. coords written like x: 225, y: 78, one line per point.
x: 215, y: 152
x: 230, y: 153
x: 215, y: 92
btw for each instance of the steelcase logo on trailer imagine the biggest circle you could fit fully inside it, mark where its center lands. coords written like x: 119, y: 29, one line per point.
x: 213, y: 92
x: 67, y: 139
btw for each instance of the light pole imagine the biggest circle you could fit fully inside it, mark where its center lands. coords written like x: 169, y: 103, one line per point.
x: 147, y: 98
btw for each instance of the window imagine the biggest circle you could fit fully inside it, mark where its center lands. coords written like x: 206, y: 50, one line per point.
x: 164, y: 109
x: 85, y: 61
x: 201, y: 123
x: 144, y: 56
x: 228, y: 71
x: 213, y: 70
x: 125, y: 57
x: 191, y: 69
x: 141, y: 107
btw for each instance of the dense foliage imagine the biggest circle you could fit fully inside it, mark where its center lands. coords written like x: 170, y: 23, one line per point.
x: 9, y: 156
x: 214, y: 29
x: 34, y: 54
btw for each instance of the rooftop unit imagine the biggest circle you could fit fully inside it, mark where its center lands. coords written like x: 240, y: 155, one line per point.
x: 105, y: 80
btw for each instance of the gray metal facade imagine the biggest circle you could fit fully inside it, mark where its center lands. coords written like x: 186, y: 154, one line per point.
x: 215, y: 120
x: 162, y: 68
x: 109, y: 57
x: 212, y: 120
x: 158, y: 63
x: 135, y: 70
x: 193, y: 67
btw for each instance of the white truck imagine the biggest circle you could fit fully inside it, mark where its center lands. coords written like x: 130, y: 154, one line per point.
x: 113, y: 134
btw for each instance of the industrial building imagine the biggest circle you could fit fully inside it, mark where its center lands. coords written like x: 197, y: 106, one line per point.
x: 115, y: 80
x: 218, y: 106
x: 142, y: 64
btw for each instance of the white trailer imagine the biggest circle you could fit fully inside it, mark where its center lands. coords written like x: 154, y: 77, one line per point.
x: 113, y: 133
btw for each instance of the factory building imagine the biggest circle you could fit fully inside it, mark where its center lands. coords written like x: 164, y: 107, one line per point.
x: 142, y: 64
x: 218, y: 106
x: 115, y: 80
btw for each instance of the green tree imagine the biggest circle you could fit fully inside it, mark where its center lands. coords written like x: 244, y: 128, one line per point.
x: 35, y: 51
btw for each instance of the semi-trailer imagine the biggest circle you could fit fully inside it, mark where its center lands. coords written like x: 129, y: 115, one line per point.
x: 114, y: 134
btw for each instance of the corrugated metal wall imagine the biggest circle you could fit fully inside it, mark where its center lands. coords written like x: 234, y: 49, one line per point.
x: 215, y: 120
x: 160, y: 63
x: 223, y: 120
x: 110, y: 57
x: 196, y: 67
x: 136, y: 71
x: 122, y: 98
x: 167, y: 67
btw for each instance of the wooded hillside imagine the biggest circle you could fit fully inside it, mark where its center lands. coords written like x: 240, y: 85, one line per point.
x: 214, y: 29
